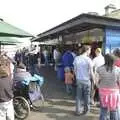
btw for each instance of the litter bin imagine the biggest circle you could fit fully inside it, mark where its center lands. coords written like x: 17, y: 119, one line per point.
x: 60, y: 72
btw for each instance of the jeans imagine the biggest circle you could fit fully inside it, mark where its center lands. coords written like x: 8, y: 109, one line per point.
x: 7, y: 110
x: 83, y: 96
x: 68, y: 88
x: 46, y: 60
x: 34, y: 69
x: 55, y: 64
x: 105, y: 115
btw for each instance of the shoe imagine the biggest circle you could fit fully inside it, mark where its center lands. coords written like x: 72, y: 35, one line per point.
x: 78, y: 113
x: 86, y: 112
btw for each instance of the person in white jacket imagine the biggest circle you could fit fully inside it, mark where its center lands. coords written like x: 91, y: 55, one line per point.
x: 97, y: 62
x: 99, y: 59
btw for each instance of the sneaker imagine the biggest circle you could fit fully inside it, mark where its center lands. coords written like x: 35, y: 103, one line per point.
x: 86, y: 112
x: 78, y: 113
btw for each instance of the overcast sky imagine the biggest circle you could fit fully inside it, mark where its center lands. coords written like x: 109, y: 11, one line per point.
x: 36, y: 16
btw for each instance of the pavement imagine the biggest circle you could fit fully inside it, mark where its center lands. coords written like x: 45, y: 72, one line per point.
x: 58, y: 105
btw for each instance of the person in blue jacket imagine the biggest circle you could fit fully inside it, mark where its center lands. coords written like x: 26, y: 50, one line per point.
x: 67, y: 59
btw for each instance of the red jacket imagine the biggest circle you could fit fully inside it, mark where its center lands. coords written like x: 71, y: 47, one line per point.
x: 117, y: 63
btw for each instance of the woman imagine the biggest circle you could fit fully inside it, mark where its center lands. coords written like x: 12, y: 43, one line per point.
x: 108, y: 77
x: 117, y: 55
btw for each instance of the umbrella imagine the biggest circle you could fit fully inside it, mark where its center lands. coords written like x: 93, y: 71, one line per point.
x: 9, y: 30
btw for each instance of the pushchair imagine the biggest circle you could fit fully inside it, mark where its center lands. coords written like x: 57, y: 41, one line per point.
x: 27, y: 94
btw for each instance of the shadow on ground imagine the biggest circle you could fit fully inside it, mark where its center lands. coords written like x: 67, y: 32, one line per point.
x: 52, y: 88
x: 58, y: 105
x: 61, y: 103
x: 71, y: 117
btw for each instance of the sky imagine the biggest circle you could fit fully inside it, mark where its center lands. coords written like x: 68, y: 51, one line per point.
x: 37, y: 16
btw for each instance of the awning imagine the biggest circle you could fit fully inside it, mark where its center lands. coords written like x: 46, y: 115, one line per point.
x: 8, y: 41
x: 8, y: 44
x: 9, y: 30
x: 78, y: 24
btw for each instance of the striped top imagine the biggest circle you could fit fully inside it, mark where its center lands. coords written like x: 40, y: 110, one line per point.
x: 108, y: 79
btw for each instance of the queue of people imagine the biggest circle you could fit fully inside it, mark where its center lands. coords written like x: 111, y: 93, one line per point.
x: 101, y: 73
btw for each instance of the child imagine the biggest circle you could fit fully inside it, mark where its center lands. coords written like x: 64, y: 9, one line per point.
x: 69, y: 77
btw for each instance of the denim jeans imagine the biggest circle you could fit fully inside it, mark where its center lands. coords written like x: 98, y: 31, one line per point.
x: 46, y: 60
x: 83, y: 96
x: 69, y: 88
x: 105, y: 115
x: 34, y: 69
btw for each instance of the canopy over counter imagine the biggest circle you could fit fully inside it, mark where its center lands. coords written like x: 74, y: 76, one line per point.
x: 84, y: 22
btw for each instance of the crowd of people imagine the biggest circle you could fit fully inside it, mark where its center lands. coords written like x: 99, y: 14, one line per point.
x: 82, y: 73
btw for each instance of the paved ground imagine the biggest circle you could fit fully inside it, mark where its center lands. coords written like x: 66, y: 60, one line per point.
x: 58, y: 105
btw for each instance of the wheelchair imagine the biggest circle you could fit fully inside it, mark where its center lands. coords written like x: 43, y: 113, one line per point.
x: 27, y: 97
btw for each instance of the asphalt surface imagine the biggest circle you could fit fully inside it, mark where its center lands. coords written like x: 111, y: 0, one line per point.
x: 58, y: 105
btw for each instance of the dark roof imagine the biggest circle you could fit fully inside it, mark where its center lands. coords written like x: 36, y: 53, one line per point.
x: 80, y: 23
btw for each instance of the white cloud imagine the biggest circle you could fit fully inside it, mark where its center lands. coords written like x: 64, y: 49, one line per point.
x: 36, y: 16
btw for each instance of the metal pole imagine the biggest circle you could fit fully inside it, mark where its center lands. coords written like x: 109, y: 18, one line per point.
x: 0, y: 47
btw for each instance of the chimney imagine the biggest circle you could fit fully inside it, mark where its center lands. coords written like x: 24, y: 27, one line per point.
x: 109, y: 8
x: 93, y: 13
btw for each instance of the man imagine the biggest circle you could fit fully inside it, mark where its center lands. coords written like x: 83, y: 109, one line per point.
x: 31, y: 63
x: 6, y: 93
x: 83, y: 71
x: 56, y: 57
x: 45, y: 54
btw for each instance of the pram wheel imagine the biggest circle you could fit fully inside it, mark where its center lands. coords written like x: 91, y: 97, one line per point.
x: 39, y: 104
x: 21, y: 107
x: 35, y: 96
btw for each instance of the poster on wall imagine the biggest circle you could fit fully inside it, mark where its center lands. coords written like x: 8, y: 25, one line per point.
x: 112, y: 40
